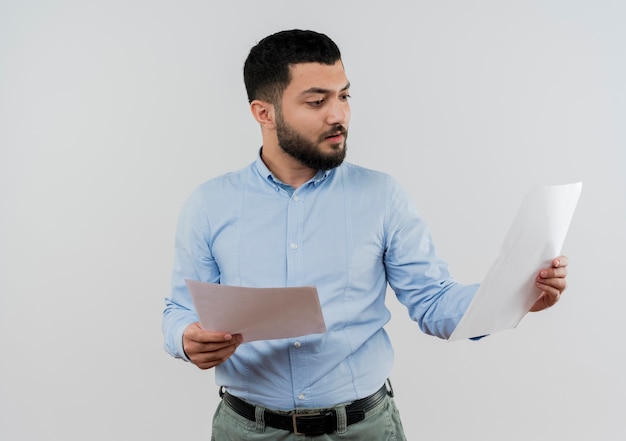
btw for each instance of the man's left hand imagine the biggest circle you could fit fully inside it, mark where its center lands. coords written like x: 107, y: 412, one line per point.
x: 551, y: 281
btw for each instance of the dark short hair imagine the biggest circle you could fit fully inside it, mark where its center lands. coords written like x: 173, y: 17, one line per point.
x: 266, y: 70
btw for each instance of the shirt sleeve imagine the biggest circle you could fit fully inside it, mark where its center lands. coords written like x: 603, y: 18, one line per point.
x: 192, y: 260
x: 419, y: 278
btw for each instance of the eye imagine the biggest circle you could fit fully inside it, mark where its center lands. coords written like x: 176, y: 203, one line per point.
x: 345, y: 97
x: 316, y: 103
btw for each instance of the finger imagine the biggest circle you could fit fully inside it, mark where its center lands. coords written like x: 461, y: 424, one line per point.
x: 207, y: 360
x: 556, y: 285
x: 196, y: 333
x: 552, y: 273
x: 550, y: 290
x: 193, y: 347
x: 559, y: 262
x: 205, y: 336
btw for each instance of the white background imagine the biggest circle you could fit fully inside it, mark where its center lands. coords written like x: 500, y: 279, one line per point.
x: 111, y: 112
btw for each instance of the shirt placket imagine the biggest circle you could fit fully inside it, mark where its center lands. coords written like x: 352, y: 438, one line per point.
x: 298, y: 352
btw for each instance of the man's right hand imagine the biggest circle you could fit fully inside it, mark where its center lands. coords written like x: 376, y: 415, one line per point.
x: 207, y: 349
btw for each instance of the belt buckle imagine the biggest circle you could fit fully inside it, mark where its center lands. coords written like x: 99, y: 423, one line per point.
x: 294, y: 419
x: 303, y: 416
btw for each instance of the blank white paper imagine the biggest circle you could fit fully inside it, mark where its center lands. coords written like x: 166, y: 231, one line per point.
x: 258, y: 313
x: 535, y: 238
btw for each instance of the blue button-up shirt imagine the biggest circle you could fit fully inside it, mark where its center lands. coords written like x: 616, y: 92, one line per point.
x: 349, y: 231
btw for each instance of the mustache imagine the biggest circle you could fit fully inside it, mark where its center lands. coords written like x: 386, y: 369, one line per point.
x: 336, y: 130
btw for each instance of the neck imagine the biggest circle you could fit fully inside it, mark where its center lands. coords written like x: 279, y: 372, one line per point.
x: 284, y: 167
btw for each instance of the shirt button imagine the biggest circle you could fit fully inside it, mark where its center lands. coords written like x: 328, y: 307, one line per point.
x: 296, y: 198
x: 297, y: 344
x: 294, y: 246
x: 301, y: 397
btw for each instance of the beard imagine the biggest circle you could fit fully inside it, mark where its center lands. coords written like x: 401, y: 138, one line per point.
x: 306, y: 151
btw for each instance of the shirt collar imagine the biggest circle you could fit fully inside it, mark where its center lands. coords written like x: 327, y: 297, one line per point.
x: 265, y: 172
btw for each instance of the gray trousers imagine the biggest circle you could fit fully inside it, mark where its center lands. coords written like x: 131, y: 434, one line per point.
x: 382, y: 423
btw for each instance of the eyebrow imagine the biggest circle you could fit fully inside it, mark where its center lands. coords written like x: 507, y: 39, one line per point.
x: 322, y: 91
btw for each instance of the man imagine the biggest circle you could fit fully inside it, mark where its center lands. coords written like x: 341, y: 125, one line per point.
x: 299, y: 216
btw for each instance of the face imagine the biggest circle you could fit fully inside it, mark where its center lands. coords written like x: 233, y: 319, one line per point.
x: 312, y: 120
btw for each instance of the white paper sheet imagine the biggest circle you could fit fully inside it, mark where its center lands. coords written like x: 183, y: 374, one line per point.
x: 258, y: 313
x: 534, y: 239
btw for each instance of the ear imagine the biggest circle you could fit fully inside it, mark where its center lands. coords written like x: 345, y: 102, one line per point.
x: 263, y: 112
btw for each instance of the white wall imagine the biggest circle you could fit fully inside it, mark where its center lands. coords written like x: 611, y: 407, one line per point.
x: 112, y: 111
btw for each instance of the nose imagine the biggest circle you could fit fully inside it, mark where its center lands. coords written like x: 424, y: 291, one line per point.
x: 338, y: 112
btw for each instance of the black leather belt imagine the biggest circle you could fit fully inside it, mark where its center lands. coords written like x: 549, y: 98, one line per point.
x: 324, y: 421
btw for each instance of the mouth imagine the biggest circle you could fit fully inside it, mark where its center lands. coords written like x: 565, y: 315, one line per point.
x: 336, y: 136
